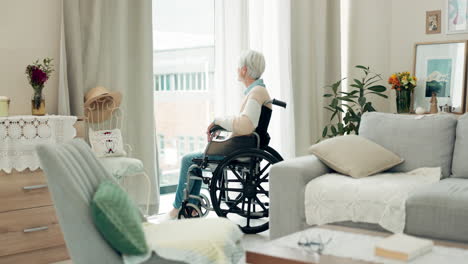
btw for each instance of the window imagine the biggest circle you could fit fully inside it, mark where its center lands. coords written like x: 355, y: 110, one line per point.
x: 181, y: 146
x: 201, y: 143
x: 161, y: 145
x: 191, y: 143
x: 183, y: 63
x: 195, y: 81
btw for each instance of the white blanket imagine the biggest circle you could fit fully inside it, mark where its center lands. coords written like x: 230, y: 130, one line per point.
x: 378, y: 199
x: 203, y: 241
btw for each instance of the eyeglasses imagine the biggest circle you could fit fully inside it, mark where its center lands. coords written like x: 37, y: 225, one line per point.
x: 314, y: 245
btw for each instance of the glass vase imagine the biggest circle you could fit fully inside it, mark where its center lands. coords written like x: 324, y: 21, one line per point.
x: 38, y: 104
x: 403, y: 101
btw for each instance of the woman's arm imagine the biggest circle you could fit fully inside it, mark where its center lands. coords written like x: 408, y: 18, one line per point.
x: 247, y: 121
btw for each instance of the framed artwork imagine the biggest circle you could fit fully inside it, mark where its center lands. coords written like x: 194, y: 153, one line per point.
x: 433, y: 22
x: 441, y: 70
x: 457, y: 16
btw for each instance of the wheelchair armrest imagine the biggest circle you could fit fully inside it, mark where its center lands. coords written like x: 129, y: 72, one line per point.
x: 217, y: 128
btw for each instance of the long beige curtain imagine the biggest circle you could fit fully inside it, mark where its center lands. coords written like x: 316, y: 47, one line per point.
x: 109, y: 43
x: 316, y: 62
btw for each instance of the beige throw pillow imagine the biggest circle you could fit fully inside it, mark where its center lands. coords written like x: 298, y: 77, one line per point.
x: 355, y: 156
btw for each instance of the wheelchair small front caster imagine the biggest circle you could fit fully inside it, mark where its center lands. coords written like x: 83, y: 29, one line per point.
x: 205, y: 205
x: 189, y: 210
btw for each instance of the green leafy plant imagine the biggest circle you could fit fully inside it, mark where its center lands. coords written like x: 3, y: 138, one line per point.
x: 348, y: 107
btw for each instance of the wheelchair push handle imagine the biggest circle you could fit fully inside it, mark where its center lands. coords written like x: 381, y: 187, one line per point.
x: 277, y: 103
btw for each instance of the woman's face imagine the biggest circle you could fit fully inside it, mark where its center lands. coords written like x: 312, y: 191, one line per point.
x: 241, y: 72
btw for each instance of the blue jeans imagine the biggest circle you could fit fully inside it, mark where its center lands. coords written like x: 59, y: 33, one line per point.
x: 195, y: 185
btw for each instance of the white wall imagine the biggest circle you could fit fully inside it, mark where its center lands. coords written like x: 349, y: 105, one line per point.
x: 383, y: 34
x: 29, y: 30
x: 369, y: 26
x: 408, y: 27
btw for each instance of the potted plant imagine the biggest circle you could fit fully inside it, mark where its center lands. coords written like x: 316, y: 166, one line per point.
x: 349, y: 106
x: 403, y: 83
x: 38, y: 74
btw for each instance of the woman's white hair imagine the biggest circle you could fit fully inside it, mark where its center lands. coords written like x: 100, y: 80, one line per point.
x: 254, y: 61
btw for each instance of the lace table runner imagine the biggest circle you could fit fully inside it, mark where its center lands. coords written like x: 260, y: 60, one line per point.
x: 19, y: 136
x: 361, y: 247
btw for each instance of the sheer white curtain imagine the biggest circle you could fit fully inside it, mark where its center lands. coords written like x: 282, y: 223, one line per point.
x: 231, y: 38
x: 262, y: 25
x: 270, y: 33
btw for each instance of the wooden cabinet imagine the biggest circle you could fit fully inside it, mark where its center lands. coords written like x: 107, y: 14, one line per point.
x: 21, y: 190
x: 29, y: 229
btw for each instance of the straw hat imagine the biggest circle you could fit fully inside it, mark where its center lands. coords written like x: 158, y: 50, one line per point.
x: 99, y: 104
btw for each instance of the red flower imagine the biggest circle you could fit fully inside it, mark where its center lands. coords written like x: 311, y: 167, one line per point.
x: 38, y: 77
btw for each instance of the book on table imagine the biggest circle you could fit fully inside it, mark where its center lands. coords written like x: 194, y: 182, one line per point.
x: 403, y: 247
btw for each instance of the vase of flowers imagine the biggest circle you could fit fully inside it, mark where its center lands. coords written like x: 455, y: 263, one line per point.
x: 403, y: 83
x: 38, y: 74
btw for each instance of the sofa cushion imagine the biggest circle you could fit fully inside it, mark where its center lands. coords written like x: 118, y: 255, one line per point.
x: 118, y: 219
x: 439, y: 210
x: 355, y: 156
x: 422, y: 141
x: 460, y: 153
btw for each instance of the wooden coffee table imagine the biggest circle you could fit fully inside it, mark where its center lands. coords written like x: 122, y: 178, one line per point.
x: 269, y: 253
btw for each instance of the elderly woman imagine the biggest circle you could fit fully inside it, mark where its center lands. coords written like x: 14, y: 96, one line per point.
x: 251, y: 68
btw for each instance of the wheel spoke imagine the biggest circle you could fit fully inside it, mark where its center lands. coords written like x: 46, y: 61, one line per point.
x: 251, y: 170
x: 261, y: 190
x: 243, y: 203
x: 237, y: 175
x: 264, y: 178
x: 238, y: 200
x: 263, y: 170
x: 260, y: 203
x: 235, y: 181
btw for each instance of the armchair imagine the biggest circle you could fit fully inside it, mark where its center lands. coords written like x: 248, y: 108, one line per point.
x: 73, y: 175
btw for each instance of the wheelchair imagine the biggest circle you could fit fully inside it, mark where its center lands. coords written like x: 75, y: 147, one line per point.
x: 238, y: 179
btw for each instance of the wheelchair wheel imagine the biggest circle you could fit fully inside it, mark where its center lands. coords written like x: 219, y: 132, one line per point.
x: 273, y: 152
x: 189, y: 211
x: 239, y: 189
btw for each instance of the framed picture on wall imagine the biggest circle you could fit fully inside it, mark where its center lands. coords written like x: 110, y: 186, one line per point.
x: 441, y: 71
x: 433, y: 22
x: 457, y: 16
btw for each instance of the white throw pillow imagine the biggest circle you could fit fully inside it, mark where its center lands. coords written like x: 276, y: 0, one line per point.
x: 355, y: 156
x: 107, y: 143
